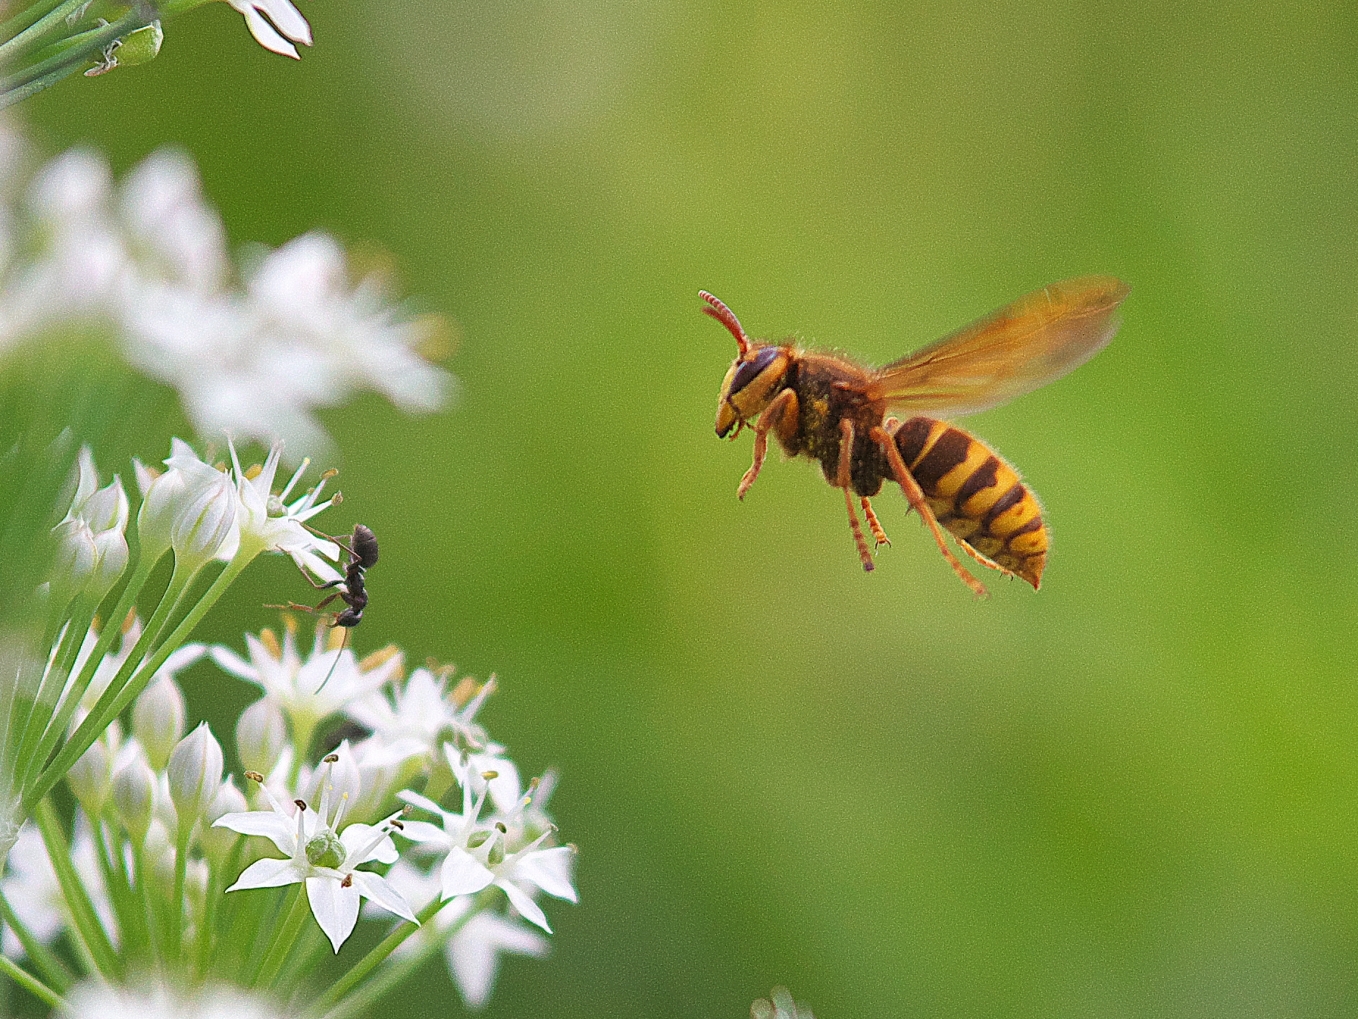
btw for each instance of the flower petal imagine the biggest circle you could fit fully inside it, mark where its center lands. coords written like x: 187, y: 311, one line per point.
x: 267, y: 36
x: 278, y: 829
x: 423, y: 831
x: 463, y: 874
x: 524, y: 904
x: 233, y: 663
x: 267, y: 874
x: 334, y: 907
x: 379, y: 890
x: 363, y: 842
x: 550, y: 870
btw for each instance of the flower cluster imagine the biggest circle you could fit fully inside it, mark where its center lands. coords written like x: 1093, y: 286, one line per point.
x: 421, y: 742
x: 147, y: 262
x: 173, y: 866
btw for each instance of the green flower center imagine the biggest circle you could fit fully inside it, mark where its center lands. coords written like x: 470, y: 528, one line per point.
x: 325, y: 850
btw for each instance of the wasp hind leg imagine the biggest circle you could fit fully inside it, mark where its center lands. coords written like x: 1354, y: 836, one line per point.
x: 915, y: 495
x: 843, y: 480
x: 783, y: 408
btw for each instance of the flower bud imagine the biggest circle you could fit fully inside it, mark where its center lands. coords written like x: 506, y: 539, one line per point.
x: 161, y: 495
x: 111, y: 548
x: 90, y: 778
x: 107, y: 509
x: 217, y: 842
x: 205, y: 519
x: 260, y: 735
x: 195, y: 772
x: 134, y: 797
x: 158, y: 720
x: 76, y: 556
x: 141, y: 46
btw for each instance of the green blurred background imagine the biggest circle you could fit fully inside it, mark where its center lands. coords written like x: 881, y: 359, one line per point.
x: 1131, y: 794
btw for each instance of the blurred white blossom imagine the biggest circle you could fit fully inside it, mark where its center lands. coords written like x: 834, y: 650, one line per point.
x: 97, y: 1000
x: 474, y: 949
x: 147, y: 260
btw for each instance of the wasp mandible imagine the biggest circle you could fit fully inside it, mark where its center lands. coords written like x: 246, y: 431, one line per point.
x: 828, y: 408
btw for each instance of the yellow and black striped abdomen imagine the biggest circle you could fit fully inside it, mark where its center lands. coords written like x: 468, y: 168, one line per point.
x: 976, y: 496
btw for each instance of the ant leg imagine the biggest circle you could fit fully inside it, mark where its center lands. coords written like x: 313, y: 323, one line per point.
x: 315, y: 610
x: 843, y: 479
x: 878, y: 535
x: 772, y: 418
x: 915, y: 495
x: 331, y: 537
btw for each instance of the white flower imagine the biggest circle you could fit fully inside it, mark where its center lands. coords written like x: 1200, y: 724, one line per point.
x: 273, y: 23
x: 779, y: 1005
x: 473, y: 951
x: 266, y: 521
x: 323, y: 857
x: 300, y: 687
x: 149, y: 262
x: 478, y: 857
x: 97, y: 1000
x: 414, y: 718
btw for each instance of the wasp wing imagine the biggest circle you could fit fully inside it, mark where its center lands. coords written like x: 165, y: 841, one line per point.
x: 1027, y: 344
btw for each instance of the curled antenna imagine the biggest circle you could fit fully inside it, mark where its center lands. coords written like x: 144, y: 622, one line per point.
x: 718, y: 310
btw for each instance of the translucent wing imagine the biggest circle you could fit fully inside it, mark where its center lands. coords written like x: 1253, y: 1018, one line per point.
x: 1027, y: 344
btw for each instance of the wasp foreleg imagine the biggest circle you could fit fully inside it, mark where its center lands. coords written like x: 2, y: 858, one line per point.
x: 915, y: 496
x: 874, y: 525
x: 772, y: 418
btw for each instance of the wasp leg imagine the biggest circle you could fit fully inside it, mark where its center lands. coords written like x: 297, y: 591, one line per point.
x: 915, y: 496
x: 843, y: 480
x: 874, y: 525
x: 772, y: 418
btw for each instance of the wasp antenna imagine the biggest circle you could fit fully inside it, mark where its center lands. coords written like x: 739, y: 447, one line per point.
x: 718, y: 310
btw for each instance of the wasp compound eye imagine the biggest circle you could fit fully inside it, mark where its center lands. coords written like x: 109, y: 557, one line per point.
x: 749, y: 370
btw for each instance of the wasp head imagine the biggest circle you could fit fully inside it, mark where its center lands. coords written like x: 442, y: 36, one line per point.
x: 754, y: 379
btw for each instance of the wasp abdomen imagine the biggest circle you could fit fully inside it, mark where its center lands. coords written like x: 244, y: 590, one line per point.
x: 976, y: 495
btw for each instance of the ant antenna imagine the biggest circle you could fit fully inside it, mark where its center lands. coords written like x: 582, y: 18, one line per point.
x: 344, y: 642
x: 716, y: 309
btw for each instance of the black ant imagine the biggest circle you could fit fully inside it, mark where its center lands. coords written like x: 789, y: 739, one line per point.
x: 350, y: 589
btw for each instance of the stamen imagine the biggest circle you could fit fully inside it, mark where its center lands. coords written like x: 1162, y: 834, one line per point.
x: 306, y: 462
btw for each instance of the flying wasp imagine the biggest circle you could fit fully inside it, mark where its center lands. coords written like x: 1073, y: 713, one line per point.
x: 828, y: 408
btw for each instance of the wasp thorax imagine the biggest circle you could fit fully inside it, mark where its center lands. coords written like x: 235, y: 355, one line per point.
x: 750, y: 385
x: 325, y: 850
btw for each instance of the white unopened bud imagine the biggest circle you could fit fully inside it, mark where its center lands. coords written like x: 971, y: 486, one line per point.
x: 134, y: 796
x: 111, y: 549
x: 158, y: 720
x: 91, y: 778
x: 205, y: 519
x: 107, y: 509
x: 260, y: 735
x: 161, y: 497
x: 76, y: 556
x: 217, y: 842
x: 195, y: 772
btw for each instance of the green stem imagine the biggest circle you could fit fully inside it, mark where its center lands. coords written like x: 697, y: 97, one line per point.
x: 82, y: 740
x: 84, y: 919
x: 52, y: 969
x: 26, y: 18
x: 67, y: 59
x: 45, y: 701
x: 181, y: 865
x: 126, y: 906
x: 346, y: 983
x: 33, y: 34
x: 284, y: 938
x: 32, y: 984
x: 112, y: 627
